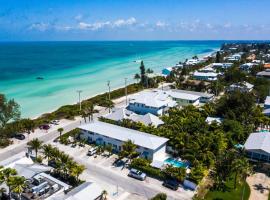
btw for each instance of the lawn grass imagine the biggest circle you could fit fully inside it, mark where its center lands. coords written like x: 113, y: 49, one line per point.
x: 230, y: 193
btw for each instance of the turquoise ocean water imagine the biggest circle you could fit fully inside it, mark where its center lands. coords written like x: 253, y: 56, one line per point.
x: 87, y: 66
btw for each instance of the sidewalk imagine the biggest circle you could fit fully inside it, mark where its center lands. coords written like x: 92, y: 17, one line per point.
x: 259, y: 184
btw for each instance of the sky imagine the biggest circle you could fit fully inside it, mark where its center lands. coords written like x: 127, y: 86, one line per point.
x: 72, y: 20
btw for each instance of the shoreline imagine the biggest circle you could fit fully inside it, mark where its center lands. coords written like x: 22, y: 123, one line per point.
x: 202, y: 55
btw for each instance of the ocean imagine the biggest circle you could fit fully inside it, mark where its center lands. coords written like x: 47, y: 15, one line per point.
x: 70, y: 66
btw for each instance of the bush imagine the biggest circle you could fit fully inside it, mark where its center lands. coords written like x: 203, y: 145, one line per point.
x: 159, y: 196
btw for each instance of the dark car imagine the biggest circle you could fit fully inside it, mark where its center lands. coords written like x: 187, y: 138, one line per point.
x: 44, y: 127
x: 171, y: 183
x: 19, y: 136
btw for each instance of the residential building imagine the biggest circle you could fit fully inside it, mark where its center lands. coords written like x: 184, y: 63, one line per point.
x: 247, y: 66
x: 167, y: 71
x: 148, y: 146
x: 257, y: 146
x: 242, y: 87
x: 184, y: 99
x: 210, y: 120
x: 221, y: 65
x: 156, y: 102
x: 264, y: 74
x: 205, y: 76
x: 122, y: 113
x: 203, y: 97
x: 266, y: 110
x: 234, y: 57
x: 85, y: 191
x: 267, y: 66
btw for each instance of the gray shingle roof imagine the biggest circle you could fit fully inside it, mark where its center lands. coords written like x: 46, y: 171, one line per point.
x: 120, y: 133
x: 258, y: 141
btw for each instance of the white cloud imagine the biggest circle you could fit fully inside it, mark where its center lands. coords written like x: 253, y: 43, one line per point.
x: 122, y: 22
x: 39, y: 26
x: 161, y: 24
x: 94, y: 26
x: 78, y: 17
x: 227, y: 25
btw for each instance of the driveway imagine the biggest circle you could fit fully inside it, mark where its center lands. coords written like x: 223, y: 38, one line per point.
x: 102, y: 171
x: 259, y: 186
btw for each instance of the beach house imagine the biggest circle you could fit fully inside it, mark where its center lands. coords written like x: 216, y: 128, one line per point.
x: 190, y: 97
x: 264, y: 74
x: 266, y: 110
x: 148, y: 146
x: 257, y: 146
x: 247, y: 66
x: 241, y: 86
x: 221, y: 65
x: 156, y: 102
x: 120, y: 114
x: 167, y: 71
x: 205, y: 76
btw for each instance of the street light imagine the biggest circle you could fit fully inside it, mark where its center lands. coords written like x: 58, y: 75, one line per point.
x: 79, y: 92
x: 109, y: 87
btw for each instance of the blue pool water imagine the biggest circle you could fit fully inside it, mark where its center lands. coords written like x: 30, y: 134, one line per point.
x: 175, y: 163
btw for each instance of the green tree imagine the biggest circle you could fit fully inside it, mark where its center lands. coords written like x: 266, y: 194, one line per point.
x: 77, y: 170
x: 240, y: 167
x: 160, y: 196
x: 218, y: 57
x: 17, y: 185
x: 178, y: 173
x: 48, y: 151
x: 6, y: 175
x: 28, y: 126
x: 197, y: 173
x: 10, y: 110
x: 137, y: 77
x: 143, y: 77
x: 128, y: 149
x: 35, y: 144
x: 60, y: 130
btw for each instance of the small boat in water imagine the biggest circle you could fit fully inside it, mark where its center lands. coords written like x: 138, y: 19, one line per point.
x: 137, y: 61
x: 39, y: 78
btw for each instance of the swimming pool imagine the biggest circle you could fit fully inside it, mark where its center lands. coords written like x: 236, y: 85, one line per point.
x: 175, y: 163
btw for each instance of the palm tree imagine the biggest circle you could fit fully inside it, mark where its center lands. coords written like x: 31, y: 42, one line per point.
x: 65, y: 160
x: 48, y: 151
x: 104, y: 195
x: 128, y: 149
x: 17, y: 184
x: 6, y: 174
x: 84, y: 115
x: 35, y: 144
x: 89, y: 111
x: 77, y: 170
x: 109, y: 105
x: 240, y: 167
x: 60, y: 130
x: 137, y: 77
x: 28, y: 126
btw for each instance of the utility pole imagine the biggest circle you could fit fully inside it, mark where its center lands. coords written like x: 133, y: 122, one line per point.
x: 79, y: 92
x: 109, y: 87
x: 126, y: 90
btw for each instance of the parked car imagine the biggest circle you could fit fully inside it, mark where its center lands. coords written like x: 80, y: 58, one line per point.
x: 45, y: 127
x: 134, y: 173
x: 19, y: 136
x: 92, y: 151
x: 171, y: 183
x: 55, y: 122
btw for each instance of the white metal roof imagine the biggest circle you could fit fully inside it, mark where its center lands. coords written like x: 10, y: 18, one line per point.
x: 147, y: 119
x: 207, y: 74
x: 201, y: 94
x: 153, y: 98
x: 186, y: 96
x: 258, y: 141
x: 123, y: 134
x: 242, y: 84
x: 267, y: 101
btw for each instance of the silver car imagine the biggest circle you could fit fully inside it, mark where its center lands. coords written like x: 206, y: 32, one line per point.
x: 134, y: 173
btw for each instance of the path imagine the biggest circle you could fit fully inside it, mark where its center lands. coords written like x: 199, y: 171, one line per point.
x: 259, y: 184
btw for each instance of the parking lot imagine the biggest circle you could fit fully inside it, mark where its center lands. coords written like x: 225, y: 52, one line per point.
x: 114, y: 179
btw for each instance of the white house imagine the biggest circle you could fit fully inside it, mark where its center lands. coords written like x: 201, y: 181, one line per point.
x: 205, y: 76
x: 234, y: 57
x: 149, y: 146
x: 184, y: 99
x: 156, y: 102
x: 257, y: 146
x: 247, y: 66
x: 122, y: 113
x: 222, y: 65
x: 264, y: 74
x: 266, y: 110
x: 203, y: 97
x: 242, y: 87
